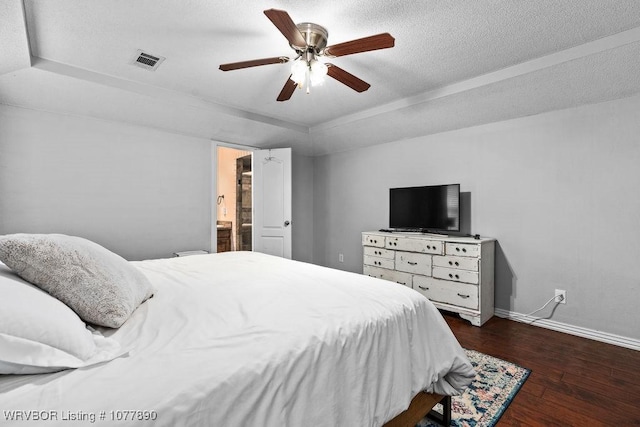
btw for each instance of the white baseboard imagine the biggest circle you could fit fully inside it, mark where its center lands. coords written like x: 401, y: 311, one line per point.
x: 608, y: 338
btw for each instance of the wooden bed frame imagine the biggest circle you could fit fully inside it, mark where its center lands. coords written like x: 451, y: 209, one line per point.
x: 421, y: 406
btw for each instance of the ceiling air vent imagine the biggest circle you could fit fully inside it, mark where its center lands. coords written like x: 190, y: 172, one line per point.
x: 147, y: 61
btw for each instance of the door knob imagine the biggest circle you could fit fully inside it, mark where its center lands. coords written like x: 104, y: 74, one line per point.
x: 286, y: 223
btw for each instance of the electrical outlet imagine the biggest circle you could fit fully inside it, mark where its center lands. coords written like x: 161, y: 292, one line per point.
x: 561, y: 296
x: 340, y: 258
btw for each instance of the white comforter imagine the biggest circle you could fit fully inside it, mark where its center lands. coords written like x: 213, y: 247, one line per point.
x: 247, y: 339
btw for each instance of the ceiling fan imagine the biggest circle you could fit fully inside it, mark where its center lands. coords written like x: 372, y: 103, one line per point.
x: 309, y: 41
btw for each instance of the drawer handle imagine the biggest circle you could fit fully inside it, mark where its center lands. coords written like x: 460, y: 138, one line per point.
x: 453, y: 275
x: 423, y: 288
x: 463, y: 296
x: 402, y: 283
x: 412, y: 263
x: 454, y: 263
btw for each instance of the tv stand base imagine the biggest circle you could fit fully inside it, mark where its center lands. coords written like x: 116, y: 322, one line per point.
x: 455, y: 273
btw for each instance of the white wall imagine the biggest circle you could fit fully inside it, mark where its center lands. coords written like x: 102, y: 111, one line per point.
x: 559, y: 191
x: 142, y: 193
x: 139, y: 192
x: 302, y: 210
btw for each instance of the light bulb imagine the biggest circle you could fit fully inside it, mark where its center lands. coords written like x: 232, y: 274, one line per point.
x: 299, y: 70
x: 318, y: 71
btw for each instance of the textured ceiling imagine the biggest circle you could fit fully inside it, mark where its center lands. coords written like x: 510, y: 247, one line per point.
x: 455, y: 64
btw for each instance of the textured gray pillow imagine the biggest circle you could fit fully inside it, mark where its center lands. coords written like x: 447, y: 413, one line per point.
x: 100, y: 286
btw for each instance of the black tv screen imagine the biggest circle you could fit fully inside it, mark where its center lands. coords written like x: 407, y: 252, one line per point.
x: 433, y: 207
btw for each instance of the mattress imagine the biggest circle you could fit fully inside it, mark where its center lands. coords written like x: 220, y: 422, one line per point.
x: 242, y: 339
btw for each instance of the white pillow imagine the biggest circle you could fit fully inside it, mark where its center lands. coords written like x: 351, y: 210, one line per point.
x: 100, y: 286
x: 40, y: 334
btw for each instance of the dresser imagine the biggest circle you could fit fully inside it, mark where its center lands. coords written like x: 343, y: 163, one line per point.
x: 455, y: 273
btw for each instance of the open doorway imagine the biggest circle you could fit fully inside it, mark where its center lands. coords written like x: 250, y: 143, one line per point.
x: 234, y: 220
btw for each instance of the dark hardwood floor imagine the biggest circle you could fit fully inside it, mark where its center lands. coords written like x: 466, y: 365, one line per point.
x: 574, y: 381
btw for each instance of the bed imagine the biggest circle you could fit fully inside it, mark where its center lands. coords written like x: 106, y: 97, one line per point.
x: 244, y: 338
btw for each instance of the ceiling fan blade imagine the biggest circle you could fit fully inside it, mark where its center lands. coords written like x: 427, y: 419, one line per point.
x: 347, y: 78
x: 379, y: 41
x: 287, y: 27
x: 287, y: 90
x: 253, y: 63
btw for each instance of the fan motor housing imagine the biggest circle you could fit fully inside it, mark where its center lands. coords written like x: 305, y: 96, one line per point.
x: 315, y: 35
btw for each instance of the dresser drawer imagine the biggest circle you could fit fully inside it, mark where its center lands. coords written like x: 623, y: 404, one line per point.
x: 413, y: 262
x: 391, y: 275
x: 379, y: 262
x: 458, y: 294
x: 415, y: 245
x: 462, y: 249
x: 455, y: 274
x: 379, y: 252
x: 464, y: 263
x: 373, y: 240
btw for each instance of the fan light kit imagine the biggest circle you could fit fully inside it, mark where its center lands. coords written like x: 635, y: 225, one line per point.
x: 309, y: 41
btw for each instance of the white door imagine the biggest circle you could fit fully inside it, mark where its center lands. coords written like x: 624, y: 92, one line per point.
x: 272, y: 201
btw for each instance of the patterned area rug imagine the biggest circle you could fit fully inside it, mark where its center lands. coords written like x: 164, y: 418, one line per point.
x: 482, y: 404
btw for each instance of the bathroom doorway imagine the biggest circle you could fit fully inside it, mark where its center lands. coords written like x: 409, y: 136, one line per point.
x: 234, y: 221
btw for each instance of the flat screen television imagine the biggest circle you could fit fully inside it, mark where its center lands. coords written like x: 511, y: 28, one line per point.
x: 429, y: 208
